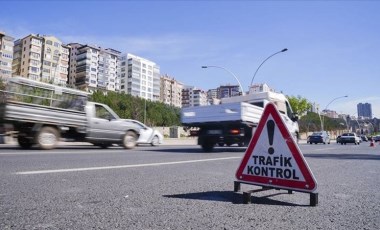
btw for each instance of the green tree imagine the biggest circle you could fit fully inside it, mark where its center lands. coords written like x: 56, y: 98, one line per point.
x: 2, y: 84
x: 299, y: 104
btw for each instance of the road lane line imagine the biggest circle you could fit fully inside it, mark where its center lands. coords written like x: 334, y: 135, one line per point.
x: 121, y: 166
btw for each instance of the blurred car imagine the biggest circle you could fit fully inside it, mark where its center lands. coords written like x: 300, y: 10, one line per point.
x: 350, y: 138
x: 376, y: 138
x: 319, y: 137
x: 364, y: 138
x: 148, y: 135
x: 338, y: 139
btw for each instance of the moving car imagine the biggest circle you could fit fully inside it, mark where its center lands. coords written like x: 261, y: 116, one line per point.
x: 376, y: 138
x: 147, y: 134
x: 350, y: 138
x: 319, y: 137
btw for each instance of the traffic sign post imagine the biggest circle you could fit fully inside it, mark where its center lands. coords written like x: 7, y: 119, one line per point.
x: 274, y: 161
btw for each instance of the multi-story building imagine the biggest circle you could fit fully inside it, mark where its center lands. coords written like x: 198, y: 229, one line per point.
x: 171, y: 91
x: 228, y: 91
x: 41, y: 58
x: 330, y: 113
x: 314, y: 108
x: 192, y: 96
x: 364, y: 110
x: 212, y: 96
x: 93, y: 67
x: 139, y: 77
x: 257, y: 88
x: 6, y: 55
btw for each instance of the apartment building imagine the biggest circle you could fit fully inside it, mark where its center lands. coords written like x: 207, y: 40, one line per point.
x: 256, y: 88
x: 212, y: 96
x: 93, y: 67
x: 171, y: 91
x: 139, y: 77
x: 228, y: 91
x: 6, y: 55
x: 41, y: 58
x: 192, y: 96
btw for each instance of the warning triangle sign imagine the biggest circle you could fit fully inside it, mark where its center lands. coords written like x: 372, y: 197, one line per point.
x: 273, y: 158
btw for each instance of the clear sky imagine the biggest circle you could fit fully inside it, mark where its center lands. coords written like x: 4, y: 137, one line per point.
x: 333, y: 46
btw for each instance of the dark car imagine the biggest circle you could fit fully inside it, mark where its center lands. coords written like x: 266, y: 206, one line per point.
x: 376, y: 138
x: 364, y: 138
x: 319, y: 137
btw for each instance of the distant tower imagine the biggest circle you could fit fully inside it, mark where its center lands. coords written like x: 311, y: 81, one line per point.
x: 365, y: 110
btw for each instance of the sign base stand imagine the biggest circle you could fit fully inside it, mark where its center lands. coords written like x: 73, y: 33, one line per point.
x: 247, y: 194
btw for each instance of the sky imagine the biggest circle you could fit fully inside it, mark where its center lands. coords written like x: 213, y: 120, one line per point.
x: 333, y: 46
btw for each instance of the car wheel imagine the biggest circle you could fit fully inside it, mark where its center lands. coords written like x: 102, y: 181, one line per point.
x: 155, y: 141
x: 129, y: 140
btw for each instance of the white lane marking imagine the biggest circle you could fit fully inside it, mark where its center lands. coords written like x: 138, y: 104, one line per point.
x: 323, y: 149
x: 121, y: 166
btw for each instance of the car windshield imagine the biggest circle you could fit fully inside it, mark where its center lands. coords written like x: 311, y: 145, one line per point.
x: 317, y: 134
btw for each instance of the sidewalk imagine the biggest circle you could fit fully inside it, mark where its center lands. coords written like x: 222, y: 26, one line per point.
x: 180, y: 141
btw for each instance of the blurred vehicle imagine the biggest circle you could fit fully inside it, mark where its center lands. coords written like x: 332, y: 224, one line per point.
x: 147, y: 134
x: 350, y: 138
x: 338, y: 139
x: 376, y: 138
x: 42, y: 114
x: 364, y: 138
x: 319, y: 137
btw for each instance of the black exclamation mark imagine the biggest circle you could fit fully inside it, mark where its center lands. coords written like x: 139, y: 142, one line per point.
x: 270, y: 128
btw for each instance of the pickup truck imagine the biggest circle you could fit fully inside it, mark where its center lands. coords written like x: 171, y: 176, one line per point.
x: 349, y: 138
x: 42, y: 114
x: 235, y: 119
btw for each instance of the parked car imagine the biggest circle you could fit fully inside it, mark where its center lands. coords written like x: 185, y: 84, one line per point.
x: 376, y: 138
x: 364, y: 138
x: 319, y: 137
x: 350, y: 138
x: 147, y: 134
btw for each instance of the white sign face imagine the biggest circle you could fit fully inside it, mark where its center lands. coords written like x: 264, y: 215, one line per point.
x: 273, y: 158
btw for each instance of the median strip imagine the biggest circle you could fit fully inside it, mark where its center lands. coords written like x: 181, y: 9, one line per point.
x: 121, y: 166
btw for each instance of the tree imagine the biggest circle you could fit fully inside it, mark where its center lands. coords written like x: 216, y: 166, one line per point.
x: 299, y: 104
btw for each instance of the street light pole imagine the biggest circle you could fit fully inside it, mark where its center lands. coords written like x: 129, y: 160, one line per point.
x: 241, y: 88
x: 281, y: 51
x: 323, y: 122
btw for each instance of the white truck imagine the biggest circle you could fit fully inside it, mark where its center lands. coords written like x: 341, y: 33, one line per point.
x: 234, y: 120
x: 42, y: 114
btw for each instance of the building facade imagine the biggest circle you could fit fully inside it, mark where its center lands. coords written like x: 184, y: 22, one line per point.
x: 364, y: 110
x: 257, y: 88
x: 6, y: 55
x: 171, y: 91
x: 192, y: 96
x: 93, y: 67
x: 228, y: 91
x: 41, y: 58
x: 212, y: 96
x: 139, y: 77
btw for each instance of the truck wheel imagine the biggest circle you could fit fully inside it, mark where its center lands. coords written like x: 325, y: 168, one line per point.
x: 129, y: 140
x: 207, y: 147
x: 47, y: 138
x: 24, y: 142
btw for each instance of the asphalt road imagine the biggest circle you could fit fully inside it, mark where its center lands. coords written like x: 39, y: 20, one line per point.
x: 180, y: 187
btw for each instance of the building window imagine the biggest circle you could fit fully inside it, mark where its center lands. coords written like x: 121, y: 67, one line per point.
x: 49, y: 42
